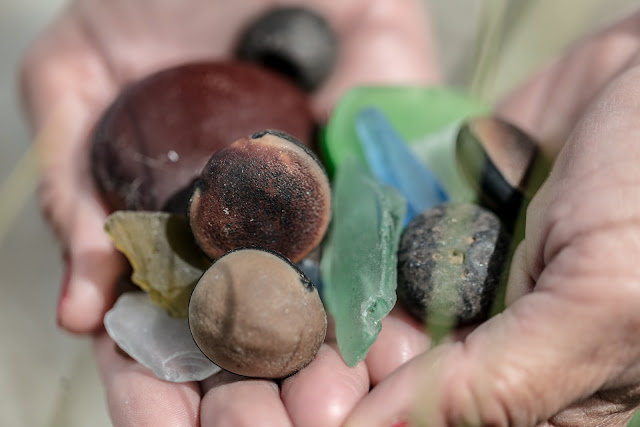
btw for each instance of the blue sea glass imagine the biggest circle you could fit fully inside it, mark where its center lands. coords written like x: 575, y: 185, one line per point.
x: 392, y: 161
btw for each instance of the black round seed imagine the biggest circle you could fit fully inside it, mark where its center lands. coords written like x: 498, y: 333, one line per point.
x: 450, y: 262
x: 294, y: 41
x: 499, y: 160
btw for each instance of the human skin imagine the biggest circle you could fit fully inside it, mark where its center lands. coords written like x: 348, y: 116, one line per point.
x: 70, y: 75
x: 565, y: 351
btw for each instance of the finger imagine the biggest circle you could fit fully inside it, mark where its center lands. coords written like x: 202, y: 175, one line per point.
x: 136, y: 397
x: 572, y: 335
x: 549, y: 105
x: 389, y: 403
x: 381, y: 42
x: 402, y: 338
x: 93, y: 268
x: 323, y: 393
x: 522, y: 367
x: 70, y: 204
x: 63, y: 113
x: 232, y: 400
x: 505, y: 373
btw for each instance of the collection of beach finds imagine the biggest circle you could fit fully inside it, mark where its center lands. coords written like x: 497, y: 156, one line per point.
x: 246, y: 223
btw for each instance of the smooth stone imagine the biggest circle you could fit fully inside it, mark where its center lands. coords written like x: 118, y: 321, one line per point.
x: 394, y: 163
x: 254, y: 313
x: 437, y: 151
x: 450, y: 263
x: 294, y: 41
x: 156, y: 340
x: 359, y: 257
x: 502, y: 163
x: 414, y: 111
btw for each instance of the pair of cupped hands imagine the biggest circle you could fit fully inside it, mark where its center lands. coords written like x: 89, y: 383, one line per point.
x: 566, y: 351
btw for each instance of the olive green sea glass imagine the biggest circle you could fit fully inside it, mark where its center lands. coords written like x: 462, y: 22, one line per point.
x: 166, y: 261
x: 359, y: 262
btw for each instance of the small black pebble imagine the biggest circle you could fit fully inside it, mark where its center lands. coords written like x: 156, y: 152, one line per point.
x: 294, y: 41
x: 450, y: 262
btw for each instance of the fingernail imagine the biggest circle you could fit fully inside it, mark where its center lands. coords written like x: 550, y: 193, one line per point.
x: 64, y: 291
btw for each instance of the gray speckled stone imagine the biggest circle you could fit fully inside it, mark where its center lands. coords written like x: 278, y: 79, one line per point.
x: 450, y: 262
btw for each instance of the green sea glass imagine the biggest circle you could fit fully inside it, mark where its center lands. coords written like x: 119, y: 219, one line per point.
x: 359, y: 262
x: 415, y: 112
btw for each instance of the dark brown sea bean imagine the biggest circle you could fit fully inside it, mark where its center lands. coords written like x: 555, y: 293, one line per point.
x: 153, y: 141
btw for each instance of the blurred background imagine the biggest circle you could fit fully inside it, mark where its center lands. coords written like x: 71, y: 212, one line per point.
x: 48, y: 377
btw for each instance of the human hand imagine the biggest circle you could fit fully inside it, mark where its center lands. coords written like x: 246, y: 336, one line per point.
x: 566, y: 351
x: 97, y: 47
x: 69, y: 77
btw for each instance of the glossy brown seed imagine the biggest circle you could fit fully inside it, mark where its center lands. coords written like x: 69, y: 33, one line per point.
x: 267, y: 190
x: 295, y: 41
x: 153, y: 141
x: 501, y: 162
x: 255, y: 314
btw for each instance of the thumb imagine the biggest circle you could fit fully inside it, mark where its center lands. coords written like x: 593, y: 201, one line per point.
x: 64, y: 85
x: 519, y: 368
x: 575, y: 334
x: 73, y: 209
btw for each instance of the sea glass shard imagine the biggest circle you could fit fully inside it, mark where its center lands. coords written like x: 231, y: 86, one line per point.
x: 359, y: 262
x: 156, y: 340
x: 166, y: 261
x: 393, y: 163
